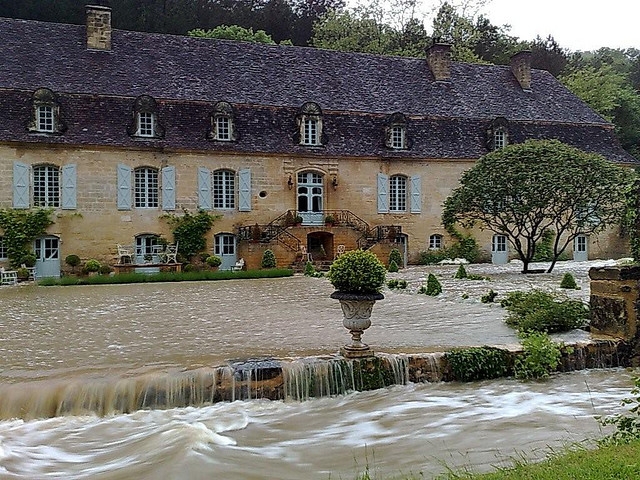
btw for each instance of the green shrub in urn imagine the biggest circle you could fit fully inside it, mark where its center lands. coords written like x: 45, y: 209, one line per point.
x: 358, y: 272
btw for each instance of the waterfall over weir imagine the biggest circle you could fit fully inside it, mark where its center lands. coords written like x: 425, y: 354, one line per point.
x: 297, y: 379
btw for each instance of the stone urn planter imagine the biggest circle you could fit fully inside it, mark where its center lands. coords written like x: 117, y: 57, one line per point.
x: 358, y: 277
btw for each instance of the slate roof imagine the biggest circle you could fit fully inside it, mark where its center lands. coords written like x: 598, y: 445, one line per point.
x: 267, y: 85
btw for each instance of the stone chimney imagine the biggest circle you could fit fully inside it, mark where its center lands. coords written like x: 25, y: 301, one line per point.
x: 98, y: 27
x: 439, y: 60
x: 521, y: 69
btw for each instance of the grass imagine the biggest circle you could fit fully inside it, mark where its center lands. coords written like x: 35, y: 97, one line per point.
x: 165, y: 277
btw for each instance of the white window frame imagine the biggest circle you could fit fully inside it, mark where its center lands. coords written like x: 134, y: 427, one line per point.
x: 435, y: 241
x: 145, y: 244
x: 310, y: 133
x: 46, y: 186
x: 397, y: 193
x: 499, y: 243
x: 146, y: 124
x: 224, y: 190
x: 398, y: 135
x: 224, y: 244
x: 581, y: 243
x: 499, y: 139
x: 146, y: 187
x: 223, y: 128
x: 45, y: 119
x: 4, y: 255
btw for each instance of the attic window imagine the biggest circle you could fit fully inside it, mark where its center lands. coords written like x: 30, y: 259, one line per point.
x: 45, y: 113
x: 498, y: 134
x: 396, y: 132
x: 310, y: 125
x: 145, y: 119
x: 222, y: 123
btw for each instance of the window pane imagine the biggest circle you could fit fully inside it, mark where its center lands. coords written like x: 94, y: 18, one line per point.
x: 397, y: 137
x: 146, y: 188
x: 145, y: 124
x: 44, y: 119
x: 3, y: 249
x: 46, y: 186
x: 435, y: 242
x: 223, y: 130
x: 310, y: 131
x: 397, y: 194
x: 499, y: 139
x: 224, y: 189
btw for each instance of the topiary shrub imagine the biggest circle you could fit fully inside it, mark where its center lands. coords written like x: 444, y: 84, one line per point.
x: 213, y: 261
x: 433, y: 286
x: 29, y: 260
x: 568, y: 282
x: 393, y: 267
x: 105, y: 270
x: 357, y: 271
x: 541, y: 356
x: 478, y: 363
x: 396, y: 256
x: 92, y: 265
x: 461, y: 272
x: 539, y: 311
x: 268, y: 259
x: 73, y: 261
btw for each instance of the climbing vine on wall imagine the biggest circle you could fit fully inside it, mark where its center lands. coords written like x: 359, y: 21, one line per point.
x: 20, y: 228
x: 190, y: 231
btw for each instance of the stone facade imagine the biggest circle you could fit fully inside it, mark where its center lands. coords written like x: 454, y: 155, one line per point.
x: 380, y: 142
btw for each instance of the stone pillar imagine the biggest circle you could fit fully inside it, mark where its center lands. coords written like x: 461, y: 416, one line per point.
x: 615, y: 302
x: 98, y: 27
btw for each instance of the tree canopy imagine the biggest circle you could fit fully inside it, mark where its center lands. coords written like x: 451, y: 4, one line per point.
x: 525, y: 190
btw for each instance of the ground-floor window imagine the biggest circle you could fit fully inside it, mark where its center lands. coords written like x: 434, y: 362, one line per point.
x: 3, y: 249
x: 435, y: 242
x: 225, y: 245
x: 146, y: 247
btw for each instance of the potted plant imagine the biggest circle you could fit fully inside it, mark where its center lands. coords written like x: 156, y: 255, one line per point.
x: 92, y: 266
x: 297, y: 220
x: 213, y: 261
x: 329, y: 220
x: 357, y: 276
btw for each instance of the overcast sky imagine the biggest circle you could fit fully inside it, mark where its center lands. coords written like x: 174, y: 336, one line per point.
x: 575, y: 24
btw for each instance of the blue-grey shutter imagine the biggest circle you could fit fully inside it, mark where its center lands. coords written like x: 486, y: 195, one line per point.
x: 169, y: 188
x: 124, y: 187
x: 69, y: 187
x: 204, y: 188
x: 383, y: 195
x: 416, y: 200
x: 244, y: 190
x: 20, y: 185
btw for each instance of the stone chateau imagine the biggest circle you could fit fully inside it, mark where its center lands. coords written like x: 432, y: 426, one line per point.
x: 114, y: 129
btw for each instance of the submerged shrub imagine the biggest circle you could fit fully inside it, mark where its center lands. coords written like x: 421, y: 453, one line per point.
x: 489, y: 297
x: 539, y: 311
x: 395, y: 256
x: 628, y: 423
x: 461, y: 272
x: 478, y: 363
x: 569, y: 282
x: 433, y: 286
x: 541, y: 356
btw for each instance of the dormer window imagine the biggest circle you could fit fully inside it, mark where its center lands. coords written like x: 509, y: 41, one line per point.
x: 145, y: 124
x: 222, y: 123
x: 497, y: 135
x: 499, y: 139
x: 310, y: 125
x: 45, y: 116
x: 44, y: 119
x: 145, y: 119
x: 396, y: 132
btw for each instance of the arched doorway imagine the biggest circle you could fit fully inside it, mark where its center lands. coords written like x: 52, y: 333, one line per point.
x: 311, y: 197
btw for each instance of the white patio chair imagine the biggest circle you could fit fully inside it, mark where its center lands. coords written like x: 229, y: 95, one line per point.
x: 125, y: 254
x: 171, y: 253
x: 306, y: 256
x: 339, y: 251
x: 238, y: 266
x: 31, y: 270
x: 8, y: 277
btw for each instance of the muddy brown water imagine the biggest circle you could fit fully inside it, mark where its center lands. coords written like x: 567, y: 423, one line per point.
x: 70, y: 334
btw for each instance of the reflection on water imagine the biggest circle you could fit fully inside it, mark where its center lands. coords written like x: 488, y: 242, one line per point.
x: 414, y: 428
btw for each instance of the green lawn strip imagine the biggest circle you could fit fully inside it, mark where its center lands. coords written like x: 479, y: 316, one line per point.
x: 610, y: 462
x: 165, y: 277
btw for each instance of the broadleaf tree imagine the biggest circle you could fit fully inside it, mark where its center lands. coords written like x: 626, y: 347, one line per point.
x: 525, y: 189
